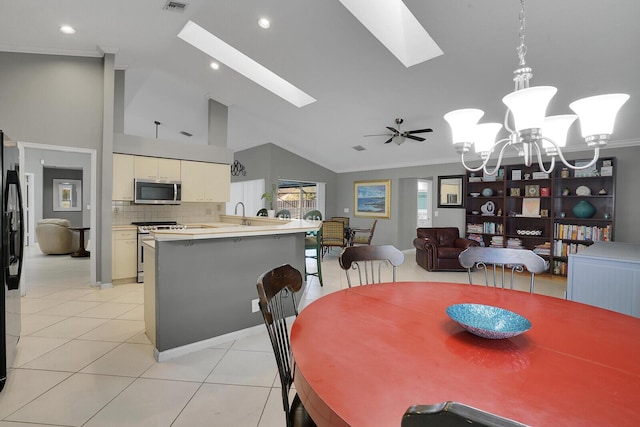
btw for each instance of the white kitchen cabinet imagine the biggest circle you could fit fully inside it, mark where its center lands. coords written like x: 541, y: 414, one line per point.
x: 156, y: 168
x: 205, y: 182
x: 123, y: 173
x: 168, y: 170
x: 124, y: 260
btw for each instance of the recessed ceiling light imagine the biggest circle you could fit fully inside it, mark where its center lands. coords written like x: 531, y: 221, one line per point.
x: 67, y: 29
x: 214, y: 65
x: 211, y: 45
x: 264, y: 23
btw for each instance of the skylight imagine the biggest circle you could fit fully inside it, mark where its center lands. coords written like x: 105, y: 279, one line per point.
x: 203, y: 40
x: 393, y: 24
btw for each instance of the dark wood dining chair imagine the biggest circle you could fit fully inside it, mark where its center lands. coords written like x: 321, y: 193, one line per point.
x: 275, y: 288
x: 343, y: 219
x: 453, y: 414
x: 369, y: 260
x: 262, y: 212
x: 502, y: 260
x: 362, y: 236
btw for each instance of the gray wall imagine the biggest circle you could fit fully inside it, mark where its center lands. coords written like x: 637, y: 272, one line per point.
x: 49, y: 174
x: 271, y: 162
x: 59, y: 100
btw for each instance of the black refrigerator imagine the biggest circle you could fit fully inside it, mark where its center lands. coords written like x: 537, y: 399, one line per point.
x: 12, y: 226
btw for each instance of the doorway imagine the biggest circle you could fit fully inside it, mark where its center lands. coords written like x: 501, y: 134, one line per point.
x: 33, y: 158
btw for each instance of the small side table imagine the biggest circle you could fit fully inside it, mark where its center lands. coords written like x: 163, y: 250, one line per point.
x: 81, y: 252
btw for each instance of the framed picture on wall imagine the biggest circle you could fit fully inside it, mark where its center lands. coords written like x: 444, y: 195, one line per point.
x: 67, y: 195
x: 372, y: 199
x: 450, y: 191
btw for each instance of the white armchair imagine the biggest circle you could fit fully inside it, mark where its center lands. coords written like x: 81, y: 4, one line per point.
x: 54, y: 236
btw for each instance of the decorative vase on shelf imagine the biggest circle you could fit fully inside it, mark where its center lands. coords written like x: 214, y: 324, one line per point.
x: 487, y: 192
x: 583, y: 209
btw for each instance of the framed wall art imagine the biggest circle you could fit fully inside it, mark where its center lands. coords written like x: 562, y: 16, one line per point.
x: 67, y: 195
x: 372, y: 199
x: 450, y: 191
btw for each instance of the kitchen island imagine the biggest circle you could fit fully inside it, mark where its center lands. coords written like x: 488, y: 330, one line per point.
x: 200, y: 282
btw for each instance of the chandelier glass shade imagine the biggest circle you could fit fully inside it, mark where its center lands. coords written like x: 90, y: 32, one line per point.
x: 530, y: 131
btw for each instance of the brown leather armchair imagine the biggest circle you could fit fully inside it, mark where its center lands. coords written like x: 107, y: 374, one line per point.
x: 438, y: 248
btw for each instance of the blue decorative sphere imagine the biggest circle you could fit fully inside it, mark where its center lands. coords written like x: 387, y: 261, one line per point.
x: 583, y: 209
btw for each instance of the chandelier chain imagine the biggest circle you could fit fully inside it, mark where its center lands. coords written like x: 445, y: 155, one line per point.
x: 522, y: 48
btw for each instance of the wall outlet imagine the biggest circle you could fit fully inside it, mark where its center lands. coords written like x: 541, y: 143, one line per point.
x: 346, y: 210
x: 255, y: 305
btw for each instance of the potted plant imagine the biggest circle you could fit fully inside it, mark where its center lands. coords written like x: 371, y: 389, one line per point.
x: 268, y: 198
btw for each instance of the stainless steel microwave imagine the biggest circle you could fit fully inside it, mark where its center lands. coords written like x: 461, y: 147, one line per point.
x: 150, y: 192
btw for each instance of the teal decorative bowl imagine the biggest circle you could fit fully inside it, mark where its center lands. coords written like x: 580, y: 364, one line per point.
x: 487, y: 192
x: 583, y: 209
x: 488, y: 321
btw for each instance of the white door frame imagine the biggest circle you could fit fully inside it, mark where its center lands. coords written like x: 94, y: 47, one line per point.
x: 30, y: 201
x: 91, y: 202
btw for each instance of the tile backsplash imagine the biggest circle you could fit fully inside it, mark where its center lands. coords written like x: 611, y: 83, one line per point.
x: 124, y: 213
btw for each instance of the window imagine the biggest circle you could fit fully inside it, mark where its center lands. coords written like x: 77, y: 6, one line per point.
x: 298, y: 197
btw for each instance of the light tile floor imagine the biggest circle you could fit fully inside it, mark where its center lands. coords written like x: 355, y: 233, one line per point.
x: 84, y: 360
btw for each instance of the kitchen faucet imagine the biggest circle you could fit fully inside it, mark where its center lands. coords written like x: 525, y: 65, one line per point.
x: 235, y: 212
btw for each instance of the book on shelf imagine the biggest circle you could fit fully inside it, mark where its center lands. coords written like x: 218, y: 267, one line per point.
x: 543, y: 249
x: 560, y: 267
x: 582, y: 232
x: 486, y: 228
x: 564, y: 249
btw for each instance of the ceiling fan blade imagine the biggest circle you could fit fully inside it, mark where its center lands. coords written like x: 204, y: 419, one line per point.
x: 416, y: 138
x: 419, y: 131
x: 392, y: 129
x: 389, y: 140
x: 379, y: 134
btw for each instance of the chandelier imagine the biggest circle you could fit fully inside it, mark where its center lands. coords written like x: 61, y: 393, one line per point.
x: 533, y: 133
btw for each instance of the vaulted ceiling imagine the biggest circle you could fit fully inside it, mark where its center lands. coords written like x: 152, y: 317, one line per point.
x: 583, y: 47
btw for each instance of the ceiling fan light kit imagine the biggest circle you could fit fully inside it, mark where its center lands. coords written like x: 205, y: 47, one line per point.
x: 532, y: 133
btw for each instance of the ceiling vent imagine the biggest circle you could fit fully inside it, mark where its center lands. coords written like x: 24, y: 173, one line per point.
x: 358, y: 148
x: 185, y: 133
x: 175, y: 6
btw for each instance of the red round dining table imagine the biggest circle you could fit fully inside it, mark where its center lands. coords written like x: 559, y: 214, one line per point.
x: 365, y: 354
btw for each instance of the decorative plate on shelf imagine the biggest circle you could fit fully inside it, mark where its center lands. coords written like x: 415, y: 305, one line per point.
x: 529, y: 232
x: 583, y: 190
x: 488, y: 321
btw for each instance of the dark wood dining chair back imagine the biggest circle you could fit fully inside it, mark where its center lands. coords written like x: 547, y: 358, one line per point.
x: 262, y: 212
x: 369, y: 261
x: 342, y: 219
x: 275, y: 288
x: 363, y: 236
x: 501, y: 260
x: 453, y: 414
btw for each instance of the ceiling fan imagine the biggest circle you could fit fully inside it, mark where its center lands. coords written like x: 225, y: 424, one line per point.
x: 398, y: 137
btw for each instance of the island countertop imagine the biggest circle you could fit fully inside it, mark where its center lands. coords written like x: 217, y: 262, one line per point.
x: 230, y: 226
